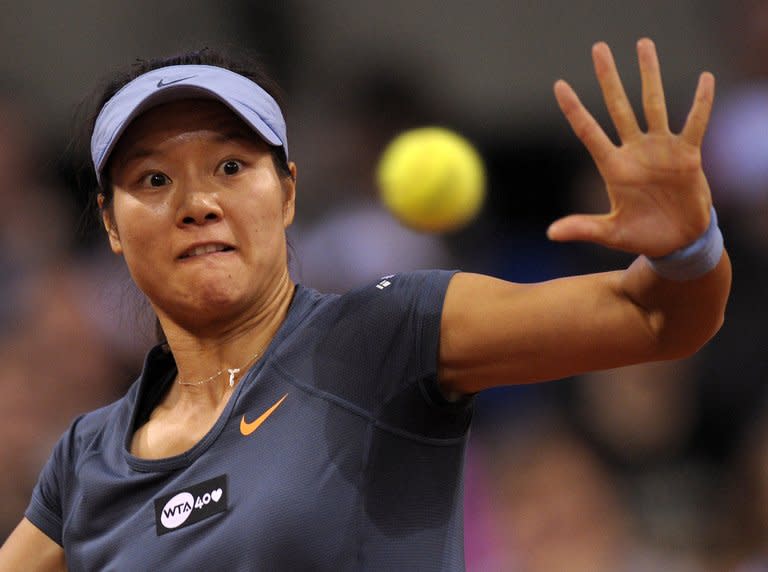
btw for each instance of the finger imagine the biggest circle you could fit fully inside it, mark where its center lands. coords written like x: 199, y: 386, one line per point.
x: 654, y: 105
x: 582, y: 228
x: 698, y: 117
x: 583, y: 124
x: 614, y: 95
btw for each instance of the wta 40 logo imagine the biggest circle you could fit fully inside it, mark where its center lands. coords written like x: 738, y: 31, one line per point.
x: 191, y: 505
x: 177, y: 510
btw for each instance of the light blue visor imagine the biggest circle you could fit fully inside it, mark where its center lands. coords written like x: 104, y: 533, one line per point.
x: 243, y: 96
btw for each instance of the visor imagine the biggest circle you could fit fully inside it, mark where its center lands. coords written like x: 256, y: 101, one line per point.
x: 243, y: 96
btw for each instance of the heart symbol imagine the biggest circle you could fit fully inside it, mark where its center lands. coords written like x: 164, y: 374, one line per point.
x: 216, y: 495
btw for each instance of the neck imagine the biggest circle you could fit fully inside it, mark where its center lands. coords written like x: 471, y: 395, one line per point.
x: 200, y: 355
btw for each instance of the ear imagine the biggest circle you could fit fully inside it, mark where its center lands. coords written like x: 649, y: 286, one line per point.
x: 289, y: 196
x: 109, y: 226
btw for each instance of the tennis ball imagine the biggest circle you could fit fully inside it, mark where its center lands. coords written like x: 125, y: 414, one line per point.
x: 431, y: 179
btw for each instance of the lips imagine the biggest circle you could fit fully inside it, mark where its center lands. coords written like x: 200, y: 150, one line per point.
x: 201, y: 249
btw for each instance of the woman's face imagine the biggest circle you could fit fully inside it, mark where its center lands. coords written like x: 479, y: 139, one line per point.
x: 199, y: 213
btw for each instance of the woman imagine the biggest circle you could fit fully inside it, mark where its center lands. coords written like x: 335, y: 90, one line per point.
x: 282, y: 428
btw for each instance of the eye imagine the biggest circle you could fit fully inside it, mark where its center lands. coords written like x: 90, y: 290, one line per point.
x: 156, y: 180
x: 230, y: 167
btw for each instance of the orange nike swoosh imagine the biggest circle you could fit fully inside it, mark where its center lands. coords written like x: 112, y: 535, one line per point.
x: 247, y: 428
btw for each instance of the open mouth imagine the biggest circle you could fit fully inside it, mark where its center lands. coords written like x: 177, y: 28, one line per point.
x: 205, y: 249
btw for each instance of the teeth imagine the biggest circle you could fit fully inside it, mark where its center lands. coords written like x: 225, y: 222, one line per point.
x: 205, y: 249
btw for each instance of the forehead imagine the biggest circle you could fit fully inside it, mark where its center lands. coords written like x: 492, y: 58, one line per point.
x: 182, y: 117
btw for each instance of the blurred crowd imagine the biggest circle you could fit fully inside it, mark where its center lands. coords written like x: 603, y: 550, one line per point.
x: 66, y: 346
x: 661, y: 466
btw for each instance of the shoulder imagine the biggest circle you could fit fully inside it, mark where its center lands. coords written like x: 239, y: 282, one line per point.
x: 401, y: 289
x: 379, y: 305
x: 414, y: 282
x: 94, y: 421
x: 395, y: 318
x: 94, y: 426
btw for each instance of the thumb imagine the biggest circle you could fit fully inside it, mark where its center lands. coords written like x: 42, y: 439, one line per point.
x: 583, y: 228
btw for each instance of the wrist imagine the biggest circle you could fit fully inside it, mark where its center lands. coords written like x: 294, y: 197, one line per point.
x: 694, y: 260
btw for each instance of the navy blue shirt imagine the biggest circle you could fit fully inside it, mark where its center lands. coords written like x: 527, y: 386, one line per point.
x: 336, y: 451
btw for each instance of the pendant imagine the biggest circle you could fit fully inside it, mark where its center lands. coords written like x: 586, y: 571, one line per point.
x: 232, y: 373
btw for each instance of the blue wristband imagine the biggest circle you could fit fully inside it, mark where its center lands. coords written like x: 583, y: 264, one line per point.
x: 696, y: 259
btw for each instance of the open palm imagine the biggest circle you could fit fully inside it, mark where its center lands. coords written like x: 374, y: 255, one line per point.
x: 659, y: 196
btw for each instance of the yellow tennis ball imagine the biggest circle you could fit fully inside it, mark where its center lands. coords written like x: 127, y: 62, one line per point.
x: 432, y: 179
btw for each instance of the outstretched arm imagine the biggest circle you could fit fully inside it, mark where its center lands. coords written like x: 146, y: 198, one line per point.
x: 496, y: 333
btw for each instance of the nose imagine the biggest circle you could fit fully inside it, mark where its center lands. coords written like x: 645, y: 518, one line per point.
x: 198, y: 207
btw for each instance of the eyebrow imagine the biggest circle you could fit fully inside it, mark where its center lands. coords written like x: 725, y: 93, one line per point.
x: 135, y: 154
x: 228, y: 134
x: 225, y: 133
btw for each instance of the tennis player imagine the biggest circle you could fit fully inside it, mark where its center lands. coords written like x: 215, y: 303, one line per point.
x: 276, y: 427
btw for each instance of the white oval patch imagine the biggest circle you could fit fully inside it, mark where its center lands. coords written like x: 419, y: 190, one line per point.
x: 177, y: 510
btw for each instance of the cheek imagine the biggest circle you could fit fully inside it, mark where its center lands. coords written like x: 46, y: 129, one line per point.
x: 134, y: 217
x: 139, y: 230
x: 263, y: 230
x: 262, y: 210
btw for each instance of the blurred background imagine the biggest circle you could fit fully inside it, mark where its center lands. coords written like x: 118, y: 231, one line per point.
x: 655, y: 467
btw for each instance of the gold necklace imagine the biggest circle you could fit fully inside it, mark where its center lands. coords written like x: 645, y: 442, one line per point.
x: 232, y: 372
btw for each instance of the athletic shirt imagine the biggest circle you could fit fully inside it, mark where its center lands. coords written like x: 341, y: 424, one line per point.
x: 336, y: 451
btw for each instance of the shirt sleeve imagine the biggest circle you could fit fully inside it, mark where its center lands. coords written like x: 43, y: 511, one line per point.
x: 45, y: 509
x: 419, y: 299
x: 400, y: 324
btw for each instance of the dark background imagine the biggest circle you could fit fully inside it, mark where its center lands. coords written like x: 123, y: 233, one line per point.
x: 646, y: 468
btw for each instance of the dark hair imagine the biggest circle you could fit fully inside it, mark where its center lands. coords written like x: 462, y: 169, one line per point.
x: 247, y: 66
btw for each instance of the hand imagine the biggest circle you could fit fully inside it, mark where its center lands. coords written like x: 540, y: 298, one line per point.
x: 659, y: 196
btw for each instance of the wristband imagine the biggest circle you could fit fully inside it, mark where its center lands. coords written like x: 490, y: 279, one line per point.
x: 696, y: 259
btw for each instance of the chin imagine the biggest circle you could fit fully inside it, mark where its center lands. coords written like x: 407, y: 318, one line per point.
x: 217, y: 298
x: 207, y: 302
